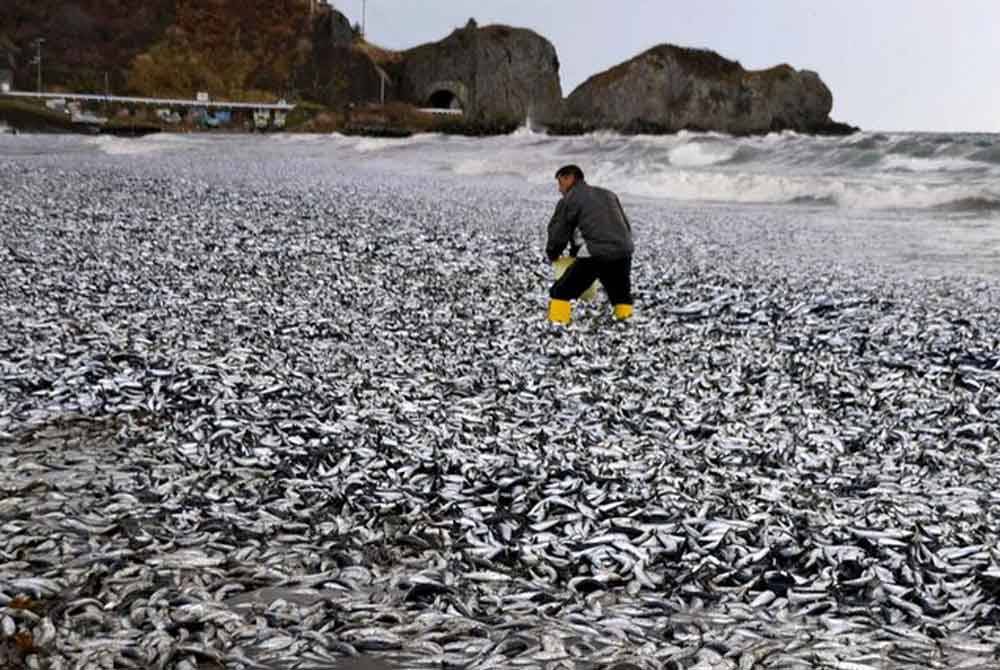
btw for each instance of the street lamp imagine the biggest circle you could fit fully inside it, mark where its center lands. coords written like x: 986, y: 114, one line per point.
x: 38, y: 60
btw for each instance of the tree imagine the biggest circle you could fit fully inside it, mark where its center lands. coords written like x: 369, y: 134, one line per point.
x: 229, y: 48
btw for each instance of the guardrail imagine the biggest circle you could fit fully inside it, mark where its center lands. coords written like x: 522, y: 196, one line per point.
x: 435, y: 110
x: 160, y: 102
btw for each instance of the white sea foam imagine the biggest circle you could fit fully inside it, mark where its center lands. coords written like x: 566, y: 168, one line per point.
x: 148, y: 144
x: 934, y: 164
x: 700, y: 154
x: 374, y: 144
x: 863, y: 171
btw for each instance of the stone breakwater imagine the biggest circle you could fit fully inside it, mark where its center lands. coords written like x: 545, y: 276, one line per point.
x: 250, y: 421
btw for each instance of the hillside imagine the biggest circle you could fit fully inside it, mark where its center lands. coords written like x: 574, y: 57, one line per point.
x: 230, y: 48
x: 84, y: 39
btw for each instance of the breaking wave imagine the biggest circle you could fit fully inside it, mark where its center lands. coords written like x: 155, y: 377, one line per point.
x: 990, y: 154
x: 943, y: 173
x: 148, y: 144
x: 935, y: 172
x: 973, y: 205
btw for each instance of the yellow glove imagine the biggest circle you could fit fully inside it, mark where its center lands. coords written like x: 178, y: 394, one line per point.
x: 561, y: 264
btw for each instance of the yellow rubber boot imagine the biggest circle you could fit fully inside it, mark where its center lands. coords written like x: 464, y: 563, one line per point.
x: 560, y: 311
x: 623, y: 312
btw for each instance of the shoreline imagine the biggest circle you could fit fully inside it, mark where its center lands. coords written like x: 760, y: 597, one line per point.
x: 27, y: 117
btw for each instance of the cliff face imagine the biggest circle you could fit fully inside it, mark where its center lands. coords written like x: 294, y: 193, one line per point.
x: 337, y: 70
x: 495, y: 73
x: 670, y: 88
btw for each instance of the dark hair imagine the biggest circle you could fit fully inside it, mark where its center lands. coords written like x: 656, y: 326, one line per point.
x: 567, y: 170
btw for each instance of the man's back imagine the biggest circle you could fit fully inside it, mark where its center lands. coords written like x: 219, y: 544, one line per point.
x: 597, y: 215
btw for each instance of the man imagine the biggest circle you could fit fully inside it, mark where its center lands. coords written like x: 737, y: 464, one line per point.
x: 592, y: 222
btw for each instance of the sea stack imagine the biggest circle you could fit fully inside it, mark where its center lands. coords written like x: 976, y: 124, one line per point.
x: 670, y: 88
x: 493, y: 73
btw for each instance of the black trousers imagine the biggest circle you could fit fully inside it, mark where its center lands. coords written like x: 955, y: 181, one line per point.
x: 615, y: 276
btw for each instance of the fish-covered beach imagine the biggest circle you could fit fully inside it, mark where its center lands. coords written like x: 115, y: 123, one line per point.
x: 275, y: 402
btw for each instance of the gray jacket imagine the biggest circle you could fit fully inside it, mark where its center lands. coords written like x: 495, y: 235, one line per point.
x: 591, y: 220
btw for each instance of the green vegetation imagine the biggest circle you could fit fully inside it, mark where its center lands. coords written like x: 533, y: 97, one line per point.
x: 231, y: 49
x: 705, y: 63
x: 29, y: 116
x: 304, y: 114
x: 460, y: 126
x: 130, y: 127
x: 379, y: 55
x: 88, y: 43
x: 395, y: 119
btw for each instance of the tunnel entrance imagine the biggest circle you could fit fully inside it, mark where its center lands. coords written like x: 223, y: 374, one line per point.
x: 444, y: 99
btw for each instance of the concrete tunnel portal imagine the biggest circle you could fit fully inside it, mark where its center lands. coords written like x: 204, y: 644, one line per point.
x: 444, y: 99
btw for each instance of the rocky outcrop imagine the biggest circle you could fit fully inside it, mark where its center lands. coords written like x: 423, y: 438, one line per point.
x: 494, y: 74
x: 8, y: 58
x: 669, y: 88
x: 334, y: 27
x: 339, y: 71
x: 339, y: 76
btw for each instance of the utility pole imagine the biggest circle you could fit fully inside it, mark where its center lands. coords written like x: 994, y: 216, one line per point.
x: 364, y: 17
x: 38, y: 60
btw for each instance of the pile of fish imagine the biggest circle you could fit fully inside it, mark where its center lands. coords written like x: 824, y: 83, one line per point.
x: 255, y: 421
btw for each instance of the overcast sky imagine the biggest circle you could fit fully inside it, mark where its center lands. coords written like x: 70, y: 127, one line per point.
x: 891, y: 64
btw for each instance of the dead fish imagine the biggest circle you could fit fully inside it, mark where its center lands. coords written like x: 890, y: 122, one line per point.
x: 282, y: 425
